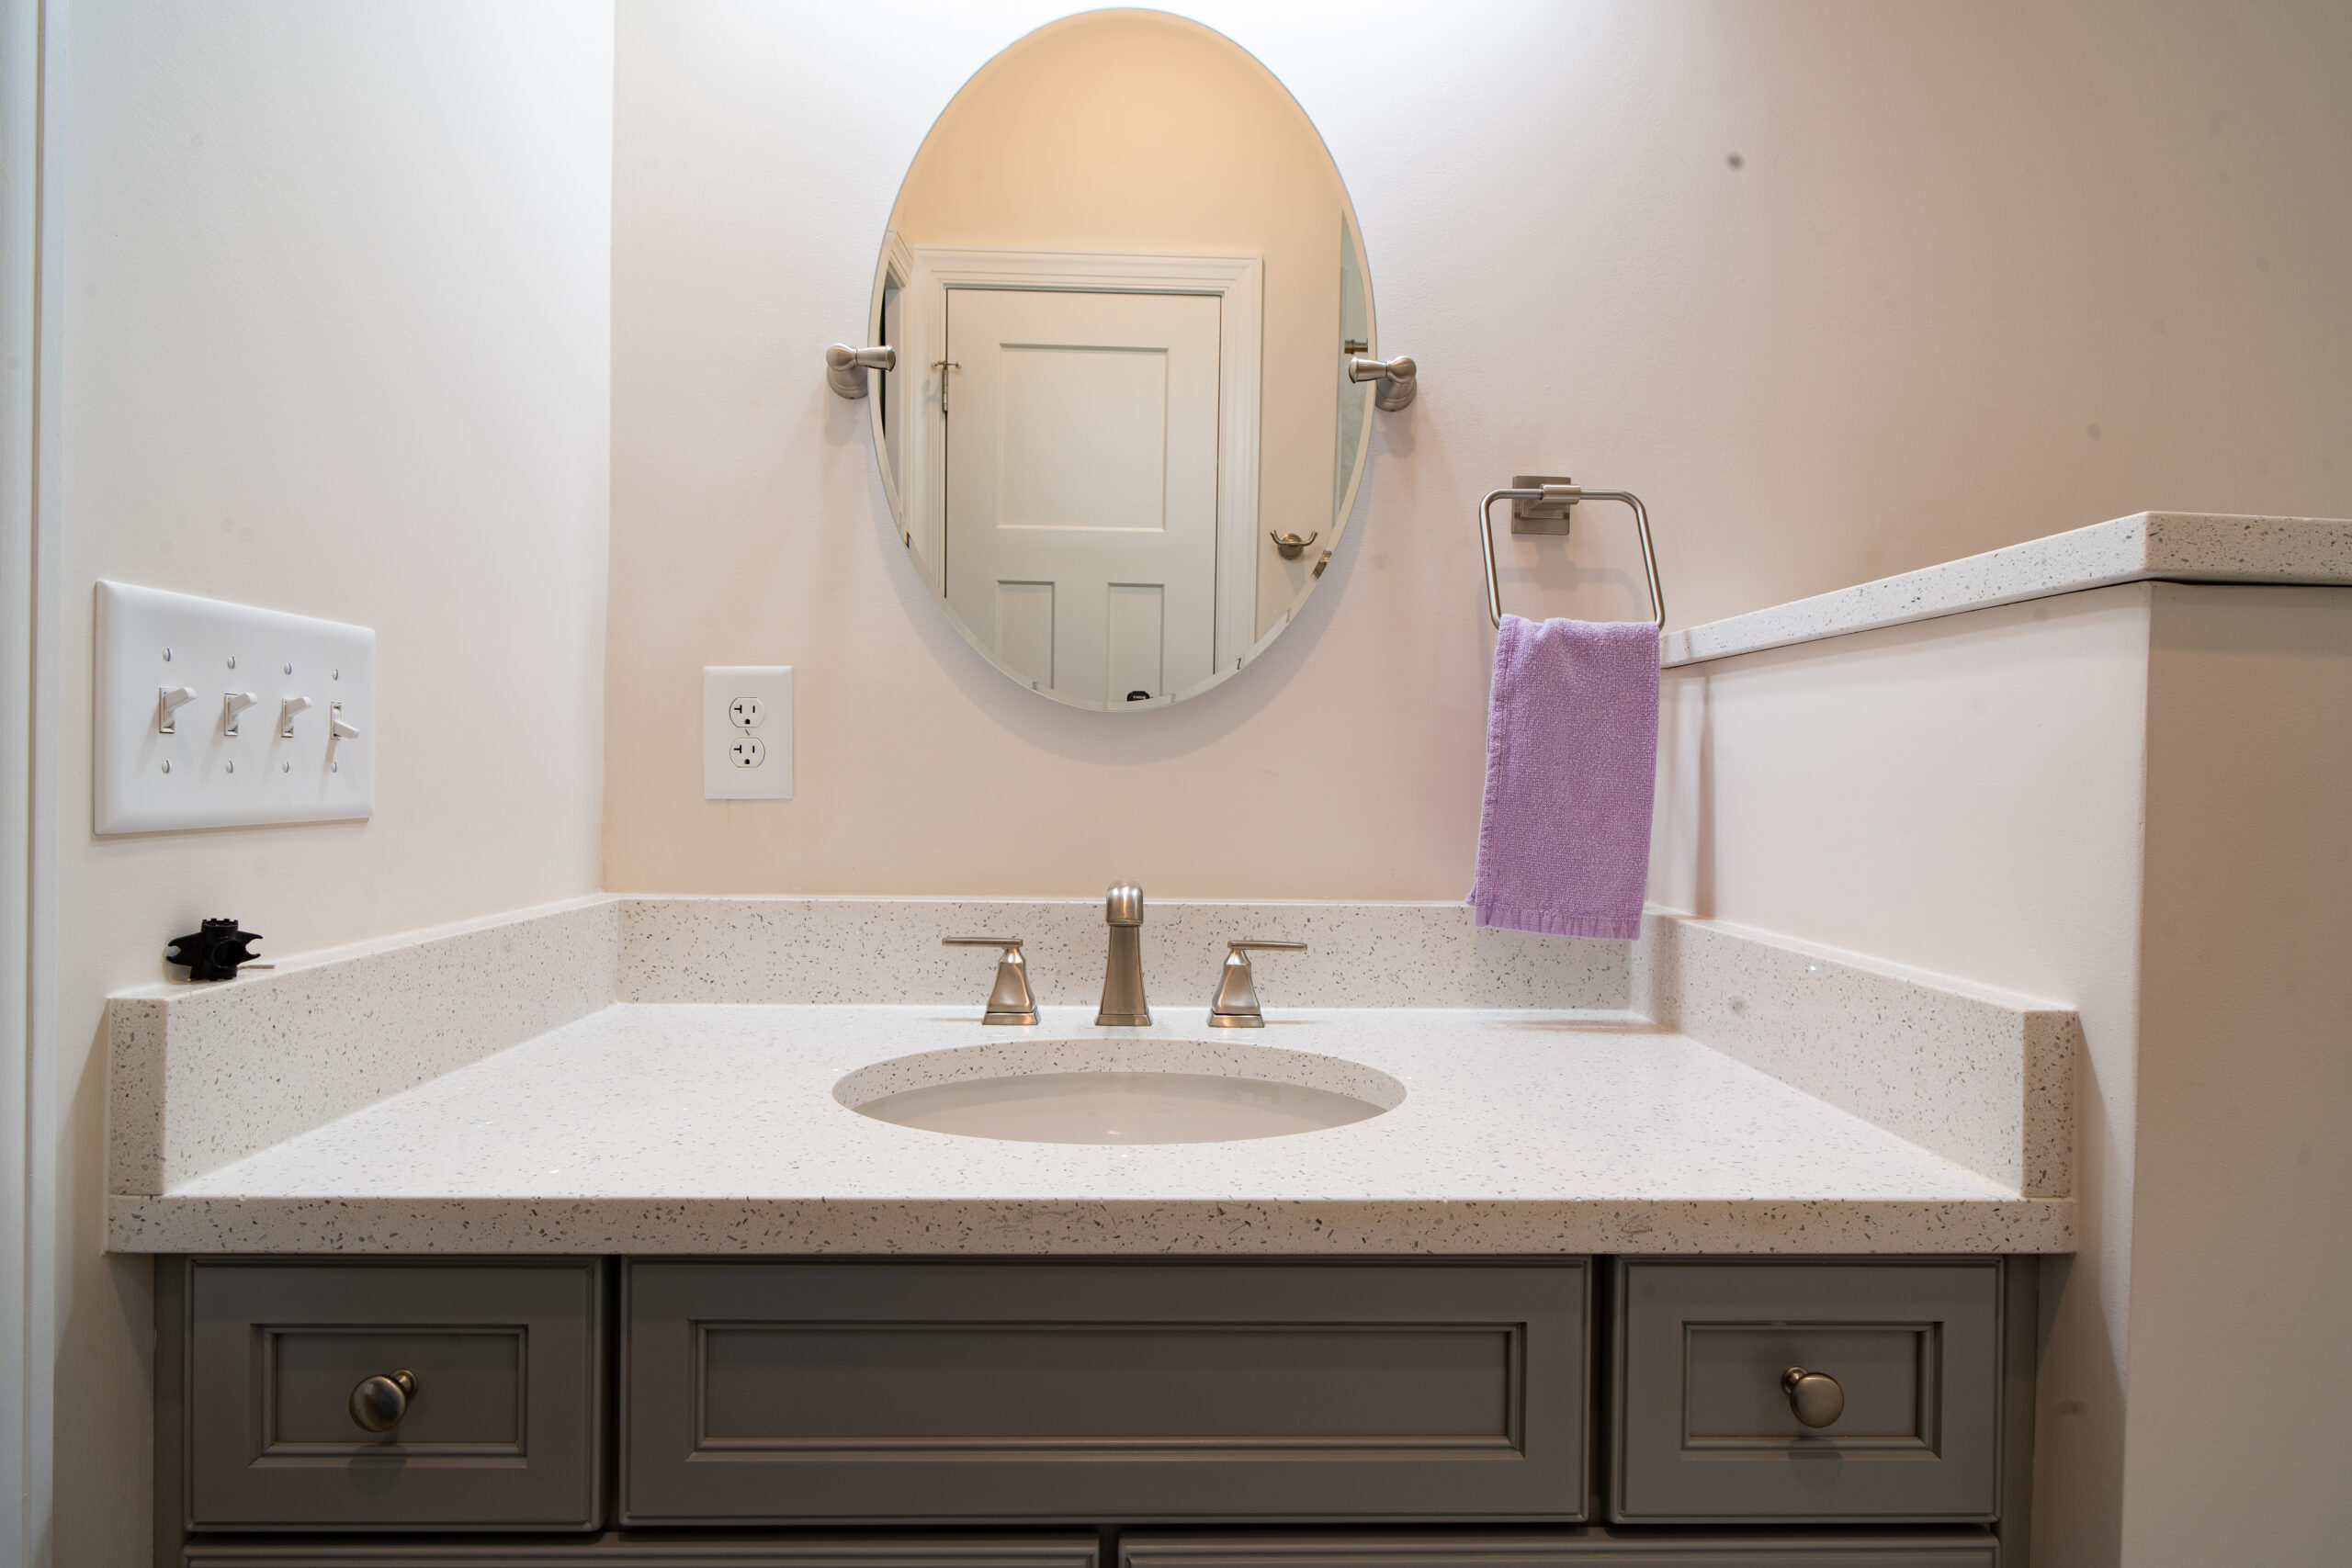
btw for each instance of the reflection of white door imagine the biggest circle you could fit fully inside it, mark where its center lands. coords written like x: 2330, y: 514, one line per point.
x: 1081, y: 490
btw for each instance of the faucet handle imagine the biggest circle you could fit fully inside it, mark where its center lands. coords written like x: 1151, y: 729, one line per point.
x: 1009, y: 999
x: 1236, y: 989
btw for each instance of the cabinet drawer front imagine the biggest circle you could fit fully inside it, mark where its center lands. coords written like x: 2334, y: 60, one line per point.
x: 945, y: 1391
x: 500, y: 1431
x: 1705, y: 1429
x: 676, y: 1549
x: 1581, y: 1547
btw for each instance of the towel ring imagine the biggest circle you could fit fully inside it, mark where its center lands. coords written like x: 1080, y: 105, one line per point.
x: 1568, y: 493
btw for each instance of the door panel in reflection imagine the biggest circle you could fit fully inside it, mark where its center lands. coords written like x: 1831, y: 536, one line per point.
x: 1081, y: 474
x: 1024, y: 629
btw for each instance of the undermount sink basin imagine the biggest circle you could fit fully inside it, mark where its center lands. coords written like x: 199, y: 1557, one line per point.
x: 1122, y: 1091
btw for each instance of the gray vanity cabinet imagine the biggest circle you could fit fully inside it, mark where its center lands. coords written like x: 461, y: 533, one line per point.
x: 499, y: 1430
x: 1204, y: 1413
x: 1587, y: 1548
x: 677, y: 1549
x: 800, y: 1392
x: 1909, y: 1358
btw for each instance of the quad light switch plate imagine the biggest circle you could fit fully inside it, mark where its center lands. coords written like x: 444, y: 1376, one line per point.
x: 747, y: 732
x: 211, y: 715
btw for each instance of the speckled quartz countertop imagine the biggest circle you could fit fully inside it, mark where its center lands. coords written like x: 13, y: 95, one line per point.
x: 2165, y: 547
x: 683, y: 1128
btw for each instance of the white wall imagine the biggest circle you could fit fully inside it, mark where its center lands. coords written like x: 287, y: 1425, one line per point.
x: 329, y: 332
x: 1960, y: 238
x: 2130, y: 800
x: 327, y: 319
x: 2242, y: 1224
x: 1964, y: 795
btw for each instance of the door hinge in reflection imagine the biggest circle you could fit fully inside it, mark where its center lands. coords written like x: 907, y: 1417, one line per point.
x: 943, y: 366
x: 1353, y: 346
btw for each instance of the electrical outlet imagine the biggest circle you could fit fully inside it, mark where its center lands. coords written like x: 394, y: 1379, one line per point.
x: 747, y: 732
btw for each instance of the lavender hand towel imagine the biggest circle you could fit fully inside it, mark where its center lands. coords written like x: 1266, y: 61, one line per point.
x: 1564, y: 837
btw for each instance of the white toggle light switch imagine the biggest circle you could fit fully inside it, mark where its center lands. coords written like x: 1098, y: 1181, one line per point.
x: 747, y: 732
x: 167, y: 759
x: 169, y: 700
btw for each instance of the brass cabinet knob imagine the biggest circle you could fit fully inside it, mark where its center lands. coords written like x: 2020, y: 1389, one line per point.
x: 1814, y: 1397
x: 378, y: 1402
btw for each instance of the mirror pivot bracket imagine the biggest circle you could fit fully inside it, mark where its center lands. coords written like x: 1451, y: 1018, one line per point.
x: 846, y: 368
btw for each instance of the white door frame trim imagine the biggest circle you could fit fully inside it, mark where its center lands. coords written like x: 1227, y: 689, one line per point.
x: 27, y: 871
x: 896, y: 271
x: 1238, y: 280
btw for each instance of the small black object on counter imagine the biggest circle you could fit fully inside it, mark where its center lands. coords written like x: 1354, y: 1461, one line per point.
x: 214, y: 953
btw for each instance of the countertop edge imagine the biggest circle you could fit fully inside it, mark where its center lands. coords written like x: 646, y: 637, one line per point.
x: 2146, y: 547
x: 750, y: 1227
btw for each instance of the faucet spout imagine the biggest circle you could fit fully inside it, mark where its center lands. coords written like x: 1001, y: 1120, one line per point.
x: 1123, y: 1005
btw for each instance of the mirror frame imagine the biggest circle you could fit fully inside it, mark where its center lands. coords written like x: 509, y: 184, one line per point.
x: 894, y: 266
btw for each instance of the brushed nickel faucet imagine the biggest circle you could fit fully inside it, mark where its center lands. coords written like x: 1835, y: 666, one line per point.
x: 1236, y: 1005
x: 1010, y: 1002
x: 1123, y: 1005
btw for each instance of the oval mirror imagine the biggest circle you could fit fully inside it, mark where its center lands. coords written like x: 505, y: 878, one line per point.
x: 1124, y: 287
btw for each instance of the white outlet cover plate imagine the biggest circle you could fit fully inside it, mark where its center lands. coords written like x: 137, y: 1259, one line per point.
x: 765, y: 734
x: 200, y: 776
